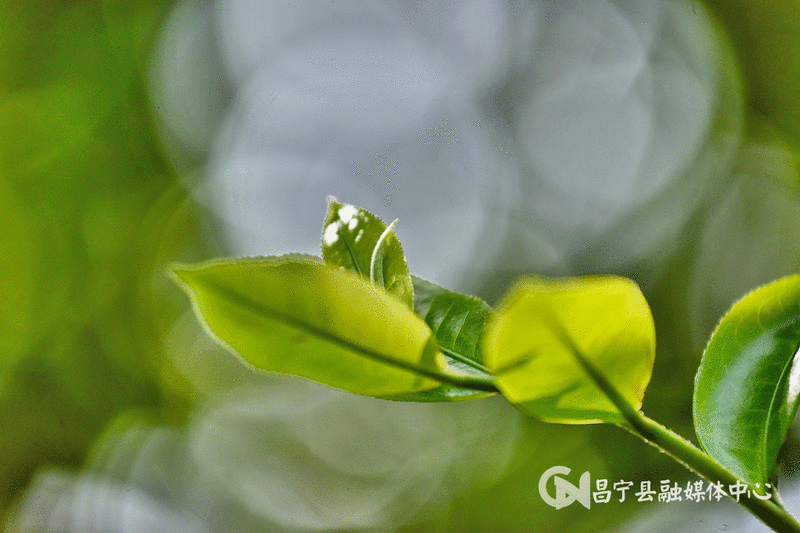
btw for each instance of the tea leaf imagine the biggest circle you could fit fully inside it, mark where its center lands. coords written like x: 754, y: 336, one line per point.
x: 552, y: 338
x: 747, y: 389
x: 355, y: 239
x: 297, y: 316
x: 457, y: 321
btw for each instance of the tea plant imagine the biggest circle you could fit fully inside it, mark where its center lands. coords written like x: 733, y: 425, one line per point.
x: 570, y: 351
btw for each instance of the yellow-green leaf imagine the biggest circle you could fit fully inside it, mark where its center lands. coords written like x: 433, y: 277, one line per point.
x: 540, y: 341
x: 295, y: 315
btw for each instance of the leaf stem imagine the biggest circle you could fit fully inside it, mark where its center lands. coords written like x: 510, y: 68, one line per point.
x: 768, y: 511
x: 465, y: 382
x: 683, y: 451
x: 464, y: 359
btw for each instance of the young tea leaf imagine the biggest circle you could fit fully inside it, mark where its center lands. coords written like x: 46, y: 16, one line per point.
x: 376, y: 273
x: 298, y: 316
x: 747, y: 389
x: 553, y: 338
x: 355, y: 239
x: 457, y: 321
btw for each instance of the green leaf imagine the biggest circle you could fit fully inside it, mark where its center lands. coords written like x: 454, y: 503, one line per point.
x: 355, y: 239
x: 297, y: 316
x: 457, y: 320
x: 746, y: 390
x: 553, y: 338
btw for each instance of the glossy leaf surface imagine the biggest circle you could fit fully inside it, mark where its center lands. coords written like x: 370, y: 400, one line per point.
x: 297, y: 316
x: 748, y: 385
x: 355, y: 239
x: 457, y: 321
x: 530, y: 345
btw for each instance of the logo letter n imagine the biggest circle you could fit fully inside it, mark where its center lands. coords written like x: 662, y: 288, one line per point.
x: 566, y: 492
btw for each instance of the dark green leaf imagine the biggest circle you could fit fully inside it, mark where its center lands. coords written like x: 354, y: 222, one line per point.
x: 357, y: 240
x: 297, y: 316
x: 457, y: 321
x: 746, y: 390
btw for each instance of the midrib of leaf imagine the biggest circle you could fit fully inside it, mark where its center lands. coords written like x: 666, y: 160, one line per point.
x: 352, y: 255
x: 450, y: 350
x: 441, y: 322
x: 627, y: 412
x: 463, y: 318
x: 465, y: 360
x: 260, y: 311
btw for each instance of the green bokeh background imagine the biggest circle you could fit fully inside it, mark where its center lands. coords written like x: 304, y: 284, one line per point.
x: 91, y: 210
x: 88, y: 204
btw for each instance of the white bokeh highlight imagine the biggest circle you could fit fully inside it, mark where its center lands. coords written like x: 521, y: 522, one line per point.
x: 521, y: 136
x: 280, y: 455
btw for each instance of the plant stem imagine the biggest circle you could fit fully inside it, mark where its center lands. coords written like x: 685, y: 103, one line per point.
x: 465, y: 382
x: 768, y: 511
x: 483, y: 384
x: 683, y: 451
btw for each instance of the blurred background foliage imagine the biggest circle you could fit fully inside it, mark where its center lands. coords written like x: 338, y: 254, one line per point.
x: 91, y: 209
x: 768, y: 49
x: 86, y: 203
